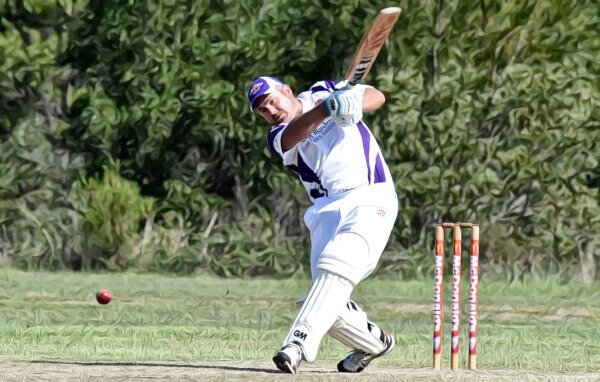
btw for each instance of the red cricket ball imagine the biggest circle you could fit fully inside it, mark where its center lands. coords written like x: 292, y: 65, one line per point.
x: 103, y: 296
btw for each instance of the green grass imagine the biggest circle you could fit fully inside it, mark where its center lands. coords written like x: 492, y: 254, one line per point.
x: 536, y: 326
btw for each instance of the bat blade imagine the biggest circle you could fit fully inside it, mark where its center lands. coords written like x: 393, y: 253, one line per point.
x: 371, y: 43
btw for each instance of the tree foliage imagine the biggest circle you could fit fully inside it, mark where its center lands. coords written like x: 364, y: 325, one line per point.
x: 126, y: 139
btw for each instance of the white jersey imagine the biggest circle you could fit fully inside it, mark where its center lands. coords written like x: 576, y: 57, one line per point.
x: 331, y: 159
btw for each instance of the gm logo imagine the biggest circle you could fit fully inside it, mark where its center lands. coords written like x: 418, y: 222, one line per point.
x: 300, y: 334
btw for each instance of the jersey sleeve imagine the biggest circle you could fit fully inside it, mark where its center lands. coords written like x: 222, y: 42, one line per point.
x: 321, y: 90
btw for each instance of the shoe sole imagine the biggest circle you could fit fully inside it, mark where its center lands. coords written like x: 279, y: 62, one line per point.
x: 284, y: 363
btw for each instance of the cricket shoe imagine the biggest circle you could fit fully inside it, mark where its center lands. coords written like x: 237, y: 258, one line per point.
x: 357, y: 360
x: 288, y: 358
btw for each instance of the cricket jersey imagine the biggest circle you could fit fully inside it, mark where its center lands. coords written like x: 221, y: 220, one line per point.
x: 332, y: 159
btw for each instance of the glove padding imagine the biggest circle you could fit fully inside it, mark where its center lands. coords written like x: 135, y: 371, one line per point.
x: 345, y: 105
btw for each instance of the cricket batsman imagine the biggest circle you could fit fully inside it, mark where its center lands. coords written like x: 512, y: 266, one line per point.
x: 320, y: 136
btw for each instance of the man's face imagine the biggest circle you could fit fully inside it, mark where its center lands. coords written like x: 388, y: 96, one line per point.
x: 278, y: 107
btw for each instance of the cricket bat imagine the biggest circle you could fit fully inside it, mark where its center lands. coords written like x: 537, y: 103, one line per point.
x: 371, y: 43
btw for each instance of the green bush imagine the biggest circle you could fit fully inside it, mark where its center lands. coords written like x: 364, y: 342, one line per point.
x: 38, y: 226
x: 491, y: 117
x: 113, y: 211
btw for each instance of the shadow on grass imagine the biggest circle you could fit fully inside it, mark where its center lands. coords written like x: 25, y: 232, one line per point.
x: 160, y: 364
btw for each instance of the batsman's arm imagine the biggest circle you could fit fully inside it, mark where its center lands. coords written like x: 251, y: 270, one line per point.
x: 303, y: 125
x: 373, y: 100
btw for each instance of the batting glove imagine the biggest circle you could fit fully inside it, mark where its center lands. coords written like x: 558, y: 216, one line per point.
x: 344, y: 102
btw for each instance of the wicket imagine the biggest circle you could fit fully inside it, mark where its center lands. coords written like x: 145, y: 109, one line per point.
x: 438, y: 299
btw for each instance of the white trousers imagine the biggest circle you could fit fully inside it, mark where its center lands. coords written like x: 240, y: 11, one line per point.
x: 369, y: 212
x: 349, y: 232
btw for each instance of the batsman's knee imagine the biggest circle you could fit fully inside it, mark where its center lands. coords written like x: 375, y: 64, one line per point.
x: 347, y: 255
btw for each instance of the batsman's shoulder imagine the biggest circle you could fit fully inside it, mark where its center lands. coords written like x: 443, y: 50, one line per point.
x: 324, y: 85
x: 275, y: 129
x: 274, y: 140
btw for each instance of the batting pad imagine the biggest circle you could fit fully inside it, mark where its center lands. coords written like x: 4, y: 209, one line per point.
x: 326, y: 298
x: 353, y: 329
x: 347, y: 255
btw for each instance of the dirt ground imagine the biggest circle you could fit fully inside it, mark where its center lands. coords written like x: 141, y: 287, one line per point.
x: 49, y: 370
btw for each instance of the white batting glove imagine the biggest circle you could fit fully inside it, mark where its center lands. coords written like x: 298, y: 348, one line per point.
x: 345, y: 102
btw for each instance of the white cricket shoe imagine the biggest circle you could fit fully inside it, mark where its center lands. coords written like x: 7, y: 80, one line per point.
x: 288, y: 358
x: 357, y: 360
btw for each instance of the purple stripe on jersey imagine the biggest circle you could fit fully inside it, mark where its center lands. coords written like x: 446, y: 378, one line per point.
x: 316, y: 89
x: 308, y: 176
x: 379, y: 173
x: 329, y: 86
x: 366, y: 140
x: 271, y: 140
